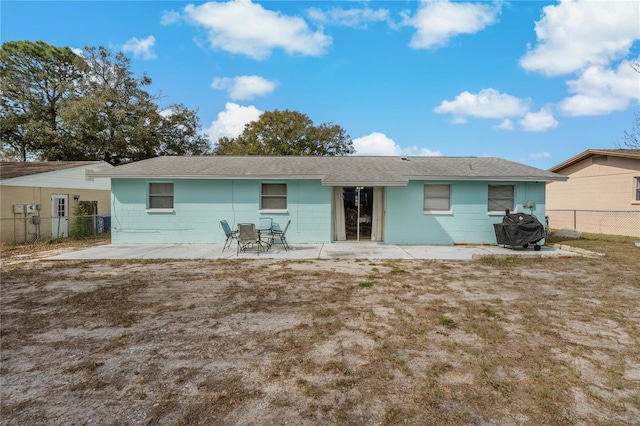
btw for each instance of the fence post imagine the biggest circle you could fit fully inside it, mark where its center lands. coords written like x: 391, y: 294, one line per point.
x: 575, y: 221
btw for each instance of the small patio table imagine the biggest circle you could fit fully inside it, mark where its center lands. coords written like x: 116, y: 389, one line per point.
x: 260, y: 230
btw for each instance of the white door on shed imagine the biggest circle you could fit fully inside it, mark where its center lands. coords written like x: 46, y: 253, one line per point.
x: 60, y: 215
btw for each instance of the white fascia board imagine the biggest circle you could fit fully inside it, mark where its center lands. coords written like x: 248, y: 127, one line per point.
x: 492, y: 178
x: 361, y: 183
x: 199, y: 177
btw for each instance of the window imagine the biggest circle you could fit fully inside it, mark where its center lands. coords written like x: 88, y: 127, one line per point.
x: 500, y: 198
x: 437, y: 198
x: 273, y: 196
x: 638, y: 189
x: 160, y: 195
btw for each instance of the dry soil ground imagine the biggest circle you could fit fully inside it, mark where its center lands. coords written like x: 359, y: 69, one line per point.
x: 251, y: 342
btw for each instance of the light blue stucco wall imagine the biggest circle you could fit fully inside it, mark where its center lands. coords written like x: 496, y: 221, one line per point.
x: 469, y: 221
x: 200, y: 205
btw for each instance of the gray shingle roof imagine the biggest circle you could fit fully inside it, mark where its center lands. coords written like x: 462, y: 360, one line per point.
x: 333, y: 171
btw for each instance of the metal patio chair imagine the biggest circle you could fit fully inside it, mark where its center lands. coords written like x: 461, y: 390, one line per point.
x: 248, y: 238
x: 231, y: 235
x: 280, y: 234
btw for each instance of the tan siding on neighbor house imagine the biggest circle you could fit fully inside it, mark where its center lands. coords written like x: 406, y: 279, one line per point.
x: 12, y: 225
x: 35, y: 183
x: 596, y: 184
x: 598, y: 197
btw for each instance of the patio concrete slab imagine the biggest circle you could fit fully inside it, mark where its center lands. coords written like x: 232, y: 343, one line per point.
x: 341, y: 250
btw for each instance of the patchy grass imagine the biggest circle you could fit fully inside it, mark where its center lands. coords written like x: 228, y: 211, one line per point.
x: 492, y: 341
x: 619, y: 249
x: 8, y: 250
x: 446, y: 321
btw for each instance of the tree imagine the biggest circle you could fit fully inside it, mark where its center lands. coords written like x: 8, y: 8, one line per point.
x: 88, y: 107
x: 179, y: 132
x: 112, y: 118
x: 287, y: 133
x: 631, y: 139
x: 34, y: 80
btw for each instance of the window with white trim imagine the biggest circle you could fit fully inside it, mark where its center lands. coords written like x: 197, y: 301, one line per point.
x: 273, y: 196
x: 437, y: 198
x: 500, y: 198
x: 160, y: 195
x: 638, y: 189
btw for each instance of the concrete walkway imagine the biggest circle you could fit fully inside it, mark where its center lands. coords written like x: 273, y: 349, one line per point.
x: 342, y: 250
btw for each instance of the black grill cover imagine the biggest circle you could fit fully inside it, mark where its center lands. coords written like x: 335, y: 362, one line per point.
x: 518, y: 229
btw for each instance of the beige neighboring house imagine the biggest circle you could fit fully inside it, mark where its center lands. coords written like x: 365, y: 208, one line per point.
x: 37, y: 198
x: 602, y: 194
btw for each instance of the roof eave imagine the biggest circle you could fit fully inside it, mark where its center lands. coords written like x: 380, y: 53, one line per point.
x: 364, y: 183
x: 590, y: 153
x: 559, y: 178
x: 220, y: 177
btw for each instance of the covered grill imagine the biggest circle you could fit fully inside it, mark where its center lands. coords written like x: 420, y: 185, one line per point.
x: 519, y: 229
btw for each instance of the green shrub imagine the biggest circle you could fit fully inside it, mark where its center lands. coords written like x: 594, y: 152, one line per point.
x: 78, y: 224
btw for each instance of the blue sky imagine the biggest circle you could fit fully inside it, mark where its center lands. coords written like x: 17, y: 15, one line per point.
x: 531, y: 81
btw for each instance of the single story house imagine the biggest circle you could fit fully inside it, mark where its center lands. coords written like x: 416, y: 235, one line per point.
x: 395, y: 200
x: 601, y: 195
x: 37, y: 198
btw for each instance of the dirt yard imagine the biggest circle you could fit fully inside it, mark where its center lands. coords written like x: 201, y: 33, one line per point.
x: 252, y: 342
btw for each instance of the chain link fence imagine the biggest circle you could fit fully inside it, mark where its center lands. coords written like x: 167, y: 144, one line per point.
x: 596, y: 221
x: 34, y: 228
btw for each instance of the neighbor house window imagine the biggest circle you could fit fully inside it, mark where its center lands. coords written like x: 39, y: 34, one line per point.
x: 437, y: 198
x: 500, y: 198
x: 638, y: 189
x: 273, y: 196
x: 160, y: 195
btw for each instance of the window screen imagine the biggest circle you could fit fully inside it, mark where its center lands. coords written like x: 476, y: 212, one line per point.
x: 500, y: 198
x: 160, y: 195
x: 638, y: 189
x: 437, y: 197
x: 273, y: 196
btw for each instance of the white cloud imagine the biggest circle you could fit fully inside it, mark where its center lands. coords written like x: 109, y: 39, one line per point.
x: 170, y: 17
x: 489, y: 103
x: 141, y: 49
x: 538, y: 121
x: 78, y: 51
x: 231, y: 121
x: 355, y: 18
x: 244, y: 87
x: 375, y: 144
x: 166, y: 113
x: 243, y: 27
x: 420, y: 152
x: 575, y: 34
x: 600, y: 91
x: 379, y: 144
x: 505, y: 125
x: 437, y: 22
